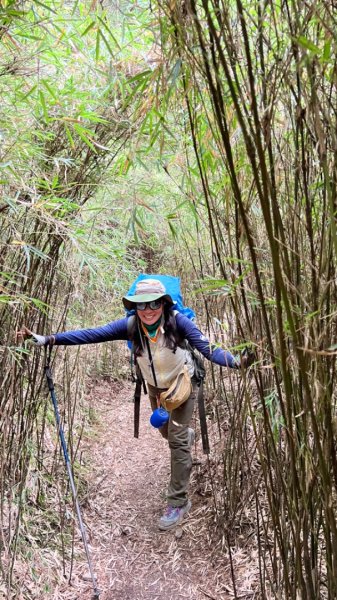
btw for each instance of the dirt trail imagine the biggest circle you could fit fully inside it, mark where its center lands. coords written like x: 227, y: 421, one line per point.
x: 132, y: 559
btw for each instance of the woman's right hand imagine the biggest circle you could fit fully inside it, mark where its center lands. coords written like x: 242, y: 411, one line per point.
x: 26, y: 334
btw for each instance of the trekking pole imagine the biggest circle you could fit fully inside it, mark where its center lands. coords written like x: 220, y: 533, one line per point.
x: 51, y: 387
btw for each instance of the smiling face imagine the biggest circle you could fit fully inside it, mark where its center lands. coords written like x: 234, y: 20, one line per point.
x: 150, y: 316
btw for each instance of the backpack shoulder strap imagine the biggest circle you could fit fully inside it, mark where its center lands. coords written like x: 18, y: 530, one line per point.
x: 133, y: 365
x: 130, y: 323
x: 137, y: 378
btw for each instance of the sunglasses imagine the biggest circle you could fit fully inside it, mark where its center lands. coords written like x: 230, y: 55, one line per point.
x: 153, y: 305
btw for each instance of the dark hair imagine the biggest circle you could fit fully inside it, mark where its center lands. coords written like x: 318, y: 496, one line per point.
x: 171, y: 336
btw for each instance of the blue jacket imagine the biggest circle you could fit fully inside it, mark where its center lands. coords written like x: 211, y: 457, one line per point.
x: 117, y: 330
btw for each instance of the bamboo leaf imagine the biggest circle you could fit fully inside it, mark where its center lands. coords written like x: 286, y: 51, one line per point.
x: 81, y: 132
x: 93, y: 117
x: 107, y: 45
x: 69, y: 136
x: 140, y: 76
x: 308, y: 45
x: 173, y: 230
x: 29, y: 92
x: 44, y: 105
x: 49, y: 89
x: 108, y: 30
x: 49, y: 8
x: 5, y: 298
x: 97, y: 49
x: 87, y: 29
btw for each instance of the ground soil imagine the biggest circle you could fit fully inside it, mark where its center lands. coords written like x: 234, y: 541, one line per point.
x: 132, y: 559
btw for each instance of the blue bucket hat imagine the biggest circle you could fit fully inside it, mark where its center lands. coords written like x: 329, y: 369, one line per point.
x: 146, y: 291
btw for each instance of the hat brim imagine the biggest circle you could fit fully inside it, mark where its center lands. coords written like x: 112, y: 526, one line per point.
x: 130, y: 301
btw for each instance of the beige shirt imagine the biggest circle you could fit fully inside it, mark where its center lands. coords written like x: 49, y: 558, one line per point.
x: 167, y: 365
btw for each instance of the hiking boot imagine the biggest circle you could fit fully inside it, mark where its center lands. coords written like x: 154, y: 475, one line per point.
x: 191, y: 437
x: 173, y: 515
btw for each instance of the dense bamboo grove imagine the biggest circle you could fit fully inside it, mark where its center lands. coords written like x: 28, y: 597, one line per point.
x: 259, y: 81
x: 233, y: 111
x: 50, y: 170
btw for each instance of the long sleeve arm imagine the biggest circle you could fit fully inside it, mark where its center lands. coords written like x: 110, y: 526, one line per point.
x: 195, y: 337
x: 116, y: 330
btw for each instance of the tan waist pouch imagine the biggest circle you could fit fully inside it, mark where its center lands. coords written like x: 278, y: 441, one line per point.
x: 178, y: 392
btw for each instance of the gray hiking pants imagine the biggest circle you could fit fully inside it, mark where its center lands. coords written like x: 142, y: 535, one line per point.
x: 176, y: 432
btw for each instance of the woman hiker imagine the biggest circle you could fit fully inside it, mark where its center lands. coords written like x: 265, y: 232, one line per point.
x: 158, y: 335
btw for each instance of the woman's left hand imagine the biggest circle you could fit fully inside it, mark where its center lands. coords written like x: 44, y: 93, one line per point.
x: 246, y: 359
